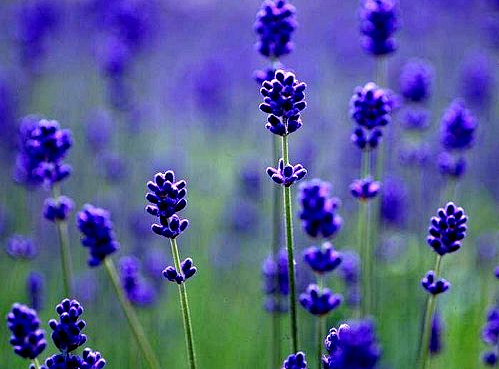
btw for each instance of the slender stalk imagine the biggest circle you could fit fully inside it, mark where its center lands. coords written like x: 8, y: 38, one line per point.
x: 424, y: 359
x: 364, y: 239
x: 36, y: 363
x: 63, y: 234
x: 184, y: 305
x: 131, y: 317
x: 318, y: 328
x: 291, y: 260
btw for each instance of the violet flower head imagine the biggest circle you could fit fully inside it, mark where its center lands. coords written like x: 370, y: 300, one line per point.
x: 283, y: 100
x: 415, y: 81
x: 378, y: 23
x: 436, y: 334
x: 477, y: 81
x: 20, y: 247
x: 319, y: 301
x: 276, y: 282
x: 275, y: 24
x: 97, y: 229
x: 434, y: 286
x: 92, y: 359
x: 370, y: 106
x: 187, y: 270
x: 35, y: 286
x: 66, y: 333
x: 322, y: 259
x: 458, y: 127
x: 352, y: 346
x: 365, y: 189
x: 88, y: 360
x: 451, y: 165
x: 447, y: 229
x: 318, y: 212
x: 490, y: 335
x: 286, y: 175
x: 57, y: 210
x: 415, y: 119
x: 167, y: 197
x: 295, y: 361
x: 136, y: 288
x: 27, y: 339
x: 366, y: 139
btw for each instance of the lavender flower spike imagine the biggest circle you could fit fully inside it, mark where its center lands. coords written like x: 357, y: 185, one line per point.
x: 365, y: 189
x: 322, y: 259
x: 286, y: 175
x: 319, y: 302
x: 187, y: 271
x: 447, y: 229
x: 66, y: 333
x: 379, y: 21
x: 433, y: 286
x: 295, y: 361
x: 27, y: 339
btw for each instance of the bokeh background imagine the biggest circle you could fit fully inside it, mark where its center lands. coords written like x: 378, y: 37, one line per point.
x: 181, y: 95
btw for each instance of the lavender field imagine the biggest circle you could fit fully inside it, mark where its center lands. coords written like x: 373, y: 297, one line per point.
x: 209, y: 184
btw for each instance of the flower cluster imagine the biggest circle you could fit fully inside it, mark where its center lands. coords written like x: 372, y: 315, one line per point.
x: 415, y: 81
x: 57, y: 210
x: 322, y: 259
x: 286, y: 175
x: 275, y: 23
x: 447, y: 229
x: 458, y: 127
x: 352, y: 346
x: 27, y: 339
x: 21, y: 247
x: 167, y: 197
x: 97, y: 229
x: 137, y: 290
x: 370, y: 108
x: 365, y: 189
x: 295, y: 361
x: 319, y: 301
x: 187, y: 270
x: 44, y: 145
x: 283, y: 100
x: 379, y: 21
x: 490, y: 335
x: 433, y: 285
x: 318, y: 209
x: 276, y: 281
x: 451, y: 165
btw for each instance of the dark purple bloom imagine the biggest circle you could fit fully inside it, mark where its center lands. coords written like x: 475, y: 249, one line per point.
x: 97, y: 229
x: 27, y: 339
x: 187, y: 271
x: 322, y: 259
x: 267, y: 74
x: 136, y: 288
x: 286, y: 175
x: 35, y: 285
x: 370, y: 106
x: 366, y: 139
x: 415, y: 80
x: 415, y: 119
x: 353, y: 346
x: 295, y: 361
x: 393, y: 201
x: 89, y: 360
x: 458, y: 127
x: 433, y: 286
x: 489, y: 358
x: 318, y: 209
x: 496, y: 272
x: 275, y: 274
x: 451, y: 165
x: 378, y: 23
x: 66, y: 333
x: 477, y: 81
x: 319, y: 301
x: 167, y: 197
x: 21, y: 247
x: 436, y: 334
x: 283, y: 100
x: 447, y: 229
x: 92, y: 359
x: 275, y: 23
x: 365, y: 188
x: 350, y: 267
x: 57, y: 210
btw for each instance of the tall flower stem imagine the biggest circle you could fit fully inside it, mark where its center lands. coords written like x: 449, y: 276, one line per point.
x: 36, y: 363
x: 424, y: 359
x: 184, y: 305
x: 131, y: 316
x: 364, y: 239
x: 320, y: 328
x: 290, y: 247
x: 63, y: 234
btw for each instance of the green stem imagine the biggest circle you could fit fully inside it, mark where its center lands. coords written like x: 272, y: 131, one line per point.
x: 63, y: 234
x: 424, y: 360
x: 319, y: 331
x: 364, y: 239
x: 184, y: 305
x: 36, y: 363
x: 290, y: 247
x: 131, y: 317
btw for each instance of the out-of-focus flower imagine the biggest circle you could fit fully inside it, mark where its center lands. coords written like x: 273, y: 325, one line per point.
x: 436, y: 335
x: 415, y: 119
x: 458, y: 127
x: 27, y: 339
x: 57, y: 210
x: 295, y: 361
x: 35, y: 286
x: 477, y: 81
x: 21, y: 247
x: 433, y: 286
x: 451, y: 165
x: 137, y: 289
x: 393, y: 201
x: 378, y: 23
x: 415, y: 80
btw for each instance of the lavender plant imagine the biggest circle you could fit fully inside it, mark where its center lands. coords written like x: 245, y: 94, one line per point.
x: 167, y: 197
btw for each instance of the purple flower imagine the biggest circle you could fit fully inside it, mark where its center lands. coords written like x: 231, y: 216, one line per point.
x: 365, y: 188
x: 275, y: 23
x: 458, y: 127
x: 92, y: 360
x: 114, y: 57
x: 490, y: 332
x: 136, y: 288
x: 57, y: 210
x: 415, y: 119
x: 187, y: 270
x: 21, y: 247
x: 97, y: 229
x: 436, y: 334
x: 35, y: 285
x: 319, y: 301
x: 267, y: 74
x: 366, y: 139
x: 451, y: 165
x: 295, y: 361
x: 447, y: 229
x: 393, y: 201
x: 27, y: 339
x: 489, y: 358
x: 275, y: 274
x: 378, y: 23
x: 283, y: 100
x: 318, y: 209
x: 350, y: 267
x: 433, y: 286
x: 89, y: 360
x: 287, y: 174
x: 66, y: 333
x: 167, y: 197
x: 322, y: 259
x: 477, y: 81
x: 415, y: 80
x: 370, y: 106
